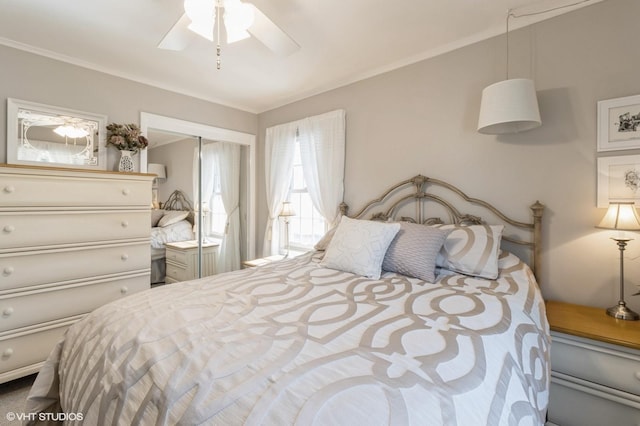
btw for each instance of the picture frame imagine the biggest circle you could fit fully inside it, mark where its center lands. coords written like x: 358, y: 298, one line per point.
x: 618, y: 180
x: 619, y: 124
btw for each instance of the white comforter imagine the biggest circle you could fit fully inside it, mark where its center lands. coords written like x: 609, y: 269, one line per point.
x: 179, y: 231
x: 294, y: 343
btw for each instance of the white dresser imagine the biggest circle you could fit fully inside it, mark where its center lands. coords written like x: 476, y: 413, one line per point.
x: 182, y: 260
x: 595, y: 367
x: 70, y: 241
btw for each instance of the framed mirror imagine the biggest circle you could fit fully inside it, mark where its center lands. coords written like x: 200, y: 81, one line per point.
x: 47, y: 135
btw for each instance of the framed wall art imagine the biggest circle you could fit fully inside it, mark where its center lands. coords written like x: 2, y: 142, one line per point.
x: 618, y: 179
x: 619, y: 124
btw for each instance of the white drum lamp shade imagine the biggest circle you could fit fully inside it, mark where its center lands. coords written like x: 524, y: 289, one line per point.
x: 509, y: 106
x: 157, y: 169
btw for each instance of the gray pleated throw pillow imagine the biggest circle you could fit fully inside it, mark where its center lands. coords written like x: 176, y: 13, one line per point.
x: 414, y: 250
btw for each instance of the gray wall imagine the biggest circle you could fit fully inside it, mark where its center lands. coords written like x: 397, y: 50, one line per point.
x: 422, y: 119
x: 39, y: 79
x: 178, y: 160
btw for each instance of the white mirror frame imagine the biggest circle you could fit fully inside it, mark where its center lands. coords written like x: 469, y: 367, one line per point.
x: 13, y: 105
x: 174, y: 125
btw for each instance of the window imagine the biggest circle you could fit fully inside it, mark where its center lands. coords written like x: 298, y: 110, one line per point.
x: 217, y: 214
x: 308, y: 225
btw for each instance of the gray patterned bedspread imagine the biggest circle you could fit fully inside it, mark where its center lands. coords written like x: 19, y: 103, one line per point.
x: 294, y: 343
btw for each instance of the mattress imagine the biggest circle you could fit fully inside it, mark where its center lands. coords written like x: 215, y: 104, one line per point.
x: 292, y: 342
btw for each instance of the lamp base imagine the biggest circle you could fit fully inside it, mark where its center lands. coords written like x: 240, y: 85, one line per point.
x: 620, y: 311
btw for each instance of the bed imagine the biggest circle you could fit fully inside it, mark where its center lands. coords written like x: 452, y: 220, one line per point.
x: 171, y: 224
x: 306, y: 341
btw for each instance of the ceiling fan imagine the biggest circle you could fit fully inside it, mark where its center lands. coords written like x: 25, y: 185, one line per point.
x: 241, y: 20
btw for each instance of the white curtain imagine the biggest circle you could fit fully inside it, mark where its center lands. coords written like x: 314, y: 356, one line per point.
x: 279, y: 151
x: 227, y: 163
x: 322, y: 151
x: 208, y: 180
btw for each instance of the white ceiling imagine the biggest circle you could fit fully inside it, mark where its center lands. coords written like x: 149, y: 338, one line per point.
x: 341, y: 41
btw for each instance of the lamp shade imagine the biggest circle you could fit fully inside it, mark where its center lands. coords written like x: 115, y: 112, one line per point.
x: 621, y: 216
x: 509, y: 106
x: 157, y: 169
x: 287, y: 210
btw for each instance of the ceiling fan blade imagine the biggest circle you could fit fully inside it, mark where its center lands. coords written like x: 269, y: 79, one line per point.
x: 271, y: 35
x: 179, y: 36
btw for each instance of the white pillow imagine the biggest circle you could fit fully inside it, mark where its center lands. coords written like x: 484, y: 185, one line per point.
x: 325, y: 240
x: 156, y: 215
x: 171, y: 217
x: 359, y: 246
x: 471, y: 250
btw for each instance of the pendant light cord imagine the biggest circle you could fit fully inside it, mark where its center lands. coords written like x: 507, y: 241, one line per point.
x: 511, y: 14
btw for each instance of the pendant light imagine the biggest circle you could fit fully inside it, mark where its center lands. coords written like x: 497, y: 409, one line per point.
x: 509, y: 106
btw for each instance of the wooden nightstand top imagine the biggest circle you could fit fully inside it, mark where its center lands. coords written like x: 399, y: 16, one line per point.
x: 592, y: 323
x: 262, y: 261
x: 191, y: 244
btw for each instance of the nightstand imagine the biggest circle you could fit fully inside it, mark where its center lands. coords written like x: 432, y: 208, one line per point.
x: 595, y: 367
x: 182, y: 260
x: 262, y: 261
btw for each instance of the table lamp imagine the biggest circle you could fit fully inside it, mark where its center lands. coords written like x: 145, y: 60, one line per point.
x: 286, y: 212
x: 161, y: 174
x: 622, y: 217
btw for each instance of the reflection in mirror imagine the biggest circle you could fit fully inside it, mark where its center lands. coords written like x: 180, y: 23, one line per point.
x: 173, y: 142
x: 46, y: 135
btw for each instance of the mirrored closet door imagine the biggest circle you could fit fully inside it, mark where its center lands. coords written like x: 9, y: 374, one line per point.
x: 209, y: 174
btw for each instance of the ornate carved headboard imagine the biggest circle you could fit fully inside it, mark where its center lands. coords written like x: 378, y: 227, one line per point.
x: 178, y: 200
x: 433, y: 197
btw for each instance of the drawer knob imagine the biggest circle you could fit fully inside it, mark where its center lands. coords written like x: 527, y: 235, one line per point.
x: 124, y: 257
x: 9, y: 189
x: 7, y: 312
x: 7, y: 271
x: 125, y: 223
x: 638, y: 375
x: 124, y: 289
x: 126, y: 191
x: 9, y: 229
x: 7, y: 353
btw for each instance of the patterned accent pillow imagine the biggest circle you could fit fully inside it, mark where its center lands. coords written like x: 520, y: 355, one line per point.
x: 359, y: 246
x: 414, y: 250
x: 471, y: 250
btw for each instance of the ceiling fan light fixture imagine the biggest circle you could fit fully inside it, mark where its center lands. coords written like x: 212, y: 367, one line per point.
x: 202, y: 14
x: 69, y: 131
x: 238, y: 18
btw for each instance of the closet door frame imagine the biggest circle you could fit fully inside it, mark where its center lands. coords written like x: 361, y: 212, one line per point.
x: 204, y: 131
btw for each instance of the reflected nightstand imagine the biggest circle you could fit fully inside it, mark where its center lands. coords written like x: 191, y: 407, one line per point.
x: 182, y: 260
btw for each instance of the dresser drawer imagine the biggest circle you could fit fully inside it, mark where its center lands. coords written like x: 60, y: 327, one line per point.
x: 42, y: 267
x: 32, y: 307
x: 573, y: 402
x: 599, y: 363
x: 176, y: 272
x: 31, y: 346
x: 38, y: 229
x: 17, y: 190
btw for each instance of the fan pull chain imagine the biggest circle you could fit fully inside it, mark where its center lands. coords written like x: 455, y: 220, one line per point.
x: 218, y: 49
